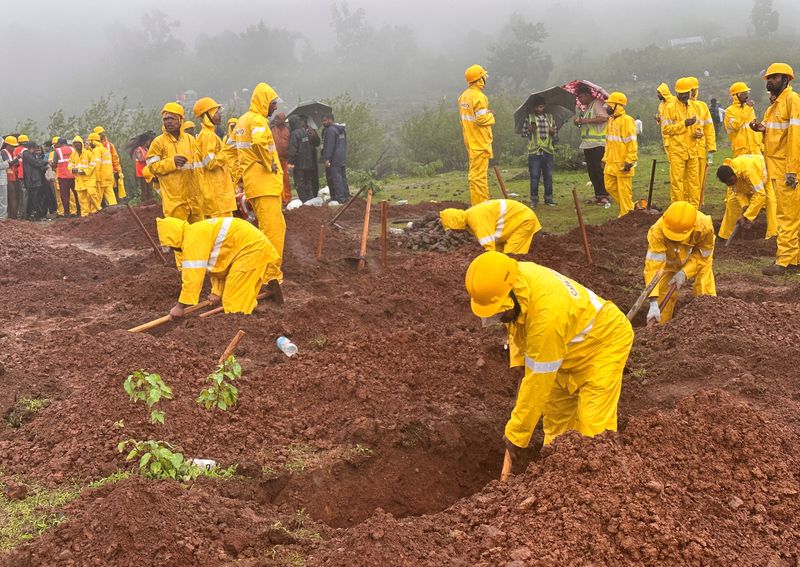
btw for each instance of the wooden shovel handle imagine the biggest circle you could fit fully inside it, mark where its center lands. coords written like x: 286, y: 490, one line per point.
x: 232, y: 345
x: 506, y: 472
x: 167, y: 318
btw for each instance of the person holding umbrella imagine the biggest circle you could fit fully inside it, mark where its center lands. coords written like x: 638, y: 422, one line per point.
x: 592, y: 119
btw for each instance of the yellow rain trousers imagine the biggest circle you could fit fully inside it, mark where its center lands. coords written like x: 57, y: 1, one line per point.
x: 574, y: 346
x: 752, y: 192
x: 621, y: 148
x: 782, y: 154
x: 476, y: 127
x: 263, y: 187
x: 694, y: 255
x: 214, y: 176
x: 684, y: 171
x: 662, y: 105
x: 178, y: 187
x: 84, y: 184
x: 744, y: 140
x: 708, y: 143
x: 503, y: 225
x: 104, y: 176
x: 236, y: 255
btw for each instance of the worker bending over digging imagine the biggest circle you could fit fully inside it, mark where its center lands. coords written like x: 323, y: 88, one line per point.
x: 500, y: 224
x: 572, y: 343
x: 748, y: 193
x: 681, y: 243
x: 238, y: 257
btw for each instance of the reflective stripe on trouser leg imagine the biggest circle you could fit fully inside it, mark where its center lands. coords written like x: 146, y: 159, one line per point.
x: 83, y: 199
x: 691, y: 182
x: 732, y: 213
x: 478, y: 179
x: 677, y: 171
x: 271, y: 222
x: 519, y: 241
x: 788, y: 201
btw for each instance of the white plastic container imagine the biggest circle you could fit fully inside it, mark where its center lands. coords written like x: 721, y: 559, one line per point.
x: 208, y: 464
x: 286, y: 346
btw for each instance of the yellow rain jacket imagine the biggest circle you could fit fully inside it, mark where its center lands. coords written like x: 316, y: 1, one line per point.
x: 744, y: 140
x: 232, y: 155
x: 782, y: 138
x: 104, y: 169
x: 85, y: 163
x: 680, y: 138
x: 213, y: 176
x: 693, y: 255
x: 708, y: 143
x: 257, y: 153
x: 503, y: 225
x: 751, y: 191
x: 476, y: 120
x: 235, y: 254
x: 574, y: 346
x: 178, y: 187
x: 621, y: 144
x: 668, y: 98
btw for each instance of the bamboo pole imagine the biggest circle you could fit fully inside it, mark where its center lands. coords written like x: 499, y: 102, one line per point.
x: 652, y: 182
x: 362, y: 257
x: 147, y: 234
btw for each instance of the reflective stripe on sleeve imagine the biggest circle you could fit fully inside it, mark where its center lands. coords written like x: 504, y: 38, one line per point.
x: 257, y: 129
x: 481, y: 112
x: 242, y: 145
x: 468, y: 117
x: 794, y: 121
x: 630, y: 138
x: 152, y: 160
x: 656, y: 256
x: 613, y: 138
x: 759, y: 187
x: 212, y: 259
x: 193, y: 264
x: 542, y: 367
x: 208, y: 158
x: 777, y: 125
x: 706, y: 253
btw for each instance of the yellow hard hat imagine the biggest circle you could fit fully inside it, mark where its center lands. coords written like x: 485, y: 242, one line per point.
x: 232, y: 121
x: 779, y: 69
x: 173, y: 108
x: 23, y: 138
x: 679, y: 220
x: 170, y: 231
x: 683, y: 85
x: 490, y: 278
x: 453, y: 219
x: 54, y: 140
x: 11, y: 141
x: 617, y: 98
x: 693, y: 82
x: 474, y: 72
x: 77, y: 140
x: 187, y: 124
x: 93, y: 137
x: 99, y: 130
x: 737, y: 88
x: 205, y: 104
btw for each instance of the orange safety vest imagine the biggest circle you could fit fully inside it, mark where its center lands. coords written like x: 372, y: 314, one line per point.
x: 20, y: 170
x: 10, y: 172
x: 62, y: 168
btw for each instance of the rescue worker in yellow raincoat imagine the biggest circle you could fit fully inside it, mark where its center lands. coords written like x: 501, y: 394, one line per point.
x: 781, y: 129
x: 707, y: 144
x: 665, y: 97
x: 621, y: 154
x: 476, y: 127
x: 679, y: 126
x: 236, y: 255
x: 738, y: 116
x: 231, y: 153
x: 499, y: 224
x: 119, y: 177
x: 103, y: 173
x: 189, y: 128
x: 213, y: 175
x: 262, y: 176
x: 82, y: 166
x: 681, y: 243
x: 171, y: 158
x: 572, y: 343
x: 748, y: 193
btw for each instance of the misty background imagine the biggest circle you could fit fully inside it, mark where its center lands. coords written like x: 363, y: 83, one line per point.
x: 393, y: 70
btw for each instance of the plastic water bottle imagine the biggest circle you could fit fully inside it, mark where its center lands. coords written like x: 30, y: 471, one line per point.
x: 286, y: 346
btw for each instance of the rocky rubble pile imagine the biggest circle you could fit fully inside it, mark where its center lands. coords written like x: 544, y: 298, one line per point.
x: 428, y: 235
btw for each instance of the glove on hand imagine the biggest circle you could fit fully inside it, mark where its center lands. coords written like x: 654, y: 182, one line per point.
x: 678, y: 279
x: 654, y: 313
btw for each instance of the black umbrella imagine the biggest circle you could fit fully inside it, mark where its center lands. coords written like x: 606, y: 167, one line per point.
x: 559, y: 102
x: 313, y: 110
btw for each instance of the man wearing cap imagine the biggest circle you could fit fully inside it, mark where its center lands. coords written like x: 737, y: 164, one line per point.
x: 572, y: 343
x: 621, y: 153
x: 262, y: 176
x: 171, y: 158
x: 476, y: 127
x: 213, y: 175
x: 189, y: 128
x: 82, y: 166
x: 781, y: 129
x: 119, y: 183
x: 104, y: 173
x: 738, y: 116
x: 9, y: 186
x: 682, y: 132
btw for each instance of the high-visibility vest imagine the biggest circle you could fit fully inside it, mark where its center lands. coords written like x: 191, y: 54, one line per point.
x: 591, y: 132
x: 10, y: 172
x: 17, y: 153
x: 62, y: 165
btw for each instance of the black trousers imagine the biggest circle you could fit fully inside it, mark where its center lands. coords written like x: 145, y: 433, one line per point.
x: 337, y: 182
x: 304, y: 184
x: 15, y: 199
x: 594, y: 167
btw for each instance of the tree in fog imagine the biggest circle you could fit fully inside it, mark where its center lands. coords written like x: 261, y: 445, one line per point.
x: 764, y: 19
x: 516, y: 60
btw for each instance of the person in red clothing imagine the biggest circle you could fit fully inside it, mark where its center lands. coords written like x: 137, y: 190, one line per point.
x: 137, y: 148
x: 281, y: 133
x: 17, y: 208
x: 66, y: 180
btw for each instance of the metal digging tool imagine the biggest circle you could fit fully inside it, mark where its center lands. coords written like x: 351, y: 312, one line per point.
x: 361, y: 260
x: 643, y: 296
x: 650, y: 191
x: 733, y: 233
x: 500, y: 181
x: 324, y: 227
x: 147, y: 234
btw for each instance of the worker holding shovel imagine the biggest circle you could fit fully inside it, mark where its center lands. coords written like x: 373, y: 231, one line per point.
x: 237, y: 256
x: 748, y: 193
x: 572, y: 343
x: 499, y: 224
x: 680, y: 245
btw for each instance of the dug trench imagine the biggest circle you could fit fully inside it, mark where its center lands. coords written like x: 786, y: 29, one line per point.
x: 392, y: 413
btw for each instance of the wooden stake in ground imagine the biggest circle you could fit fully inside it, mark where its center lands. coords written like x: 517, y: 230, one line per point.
x: 506, y: 472
x: 582, y: 225
x: 501, y: 182
x: 362, y: 257
x: 652, y: 181
x: 643, y: 296
x: 323, y: 229
x: 384, y: 231
x: 147, y: 234
x: 167, y: 318
x: 232, y: 345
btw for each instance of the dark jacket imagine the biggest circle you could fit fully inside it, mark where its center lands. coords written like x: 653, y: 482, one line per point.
x: 301, y: 147
x: 335, y: 147
x: 34, y: 168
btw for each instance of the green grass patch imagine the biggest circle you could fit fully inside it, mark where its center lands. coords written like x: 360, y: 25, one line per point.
x: 26, y: 519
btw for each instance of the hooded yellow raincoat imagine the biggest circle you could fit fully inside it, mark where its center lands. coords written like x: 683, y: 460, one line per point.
x: 232, y: 154
x: 693, y: 255
x: 574, y: 346
x: 663, y: 88
x: 503, y: 225
x: 262, y: 176
x: 744, y: 140
x: 684, y: 170
x: 706, y: 144
x: 104, y: 176
x: 476, y: 127
x: 751, y: 192
x: 85, y: 183
x: 236, y: 255
x: 621, y: 148
x: 213, y: 176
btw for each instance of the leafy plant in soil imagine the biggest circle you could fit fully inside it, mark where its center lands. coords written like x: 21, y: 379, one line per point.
x: 149, y: 388
x: 222, y: 394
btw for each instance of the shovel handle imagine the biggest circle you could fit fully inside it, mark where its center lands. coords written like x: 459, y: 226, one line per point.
x: 362, y: 262
x: 232, y: 345
x: 733, y: 233
x: 167, y: 318
x: 506, y: 472
x: 501, y: 182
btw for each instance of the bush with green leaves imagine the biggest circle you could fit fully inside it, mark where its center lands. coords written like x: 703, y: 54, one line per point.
x: 149, y: 388
x: 222, y: 394
x: 161, y: 461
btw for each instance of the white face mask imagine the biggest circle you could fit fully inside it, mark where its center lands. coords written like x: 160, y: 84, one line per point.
x: 492, y: 321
